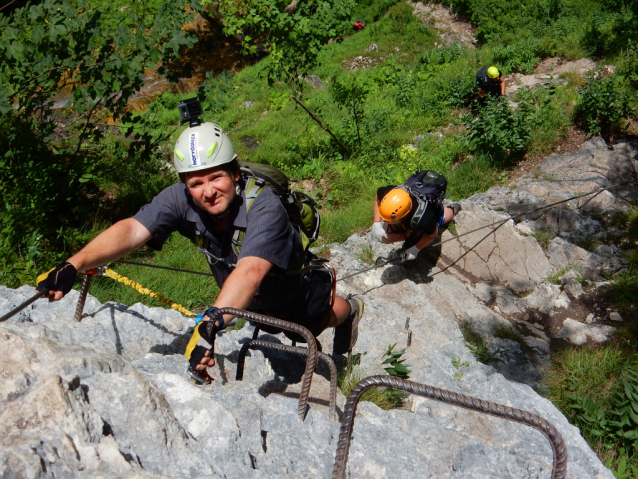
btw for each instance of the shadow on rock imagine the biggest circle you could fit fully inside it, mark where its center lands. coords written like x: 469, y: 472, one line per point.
x: 177, y: 346
x: 417, y: 270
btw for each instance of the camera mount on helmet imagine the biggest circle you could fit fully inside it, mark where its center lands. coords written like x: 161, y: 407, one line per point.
x: 190, y: 112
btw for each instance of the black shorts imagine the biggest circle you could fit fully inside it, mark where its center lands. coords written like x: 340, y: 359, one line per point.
x: 310, y: 309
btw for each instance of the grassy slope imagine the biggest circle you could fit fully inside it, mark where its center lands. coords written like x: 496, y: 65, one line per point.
x: 290, y: 140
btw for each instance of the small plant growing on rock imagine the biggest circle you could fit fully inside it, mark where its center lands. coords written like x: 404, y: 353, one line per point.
x: 365, y: 254
x: 587, y: 243
x: 543, y: 236
x: 556, y: 277
x: 398, y: 369
x: 507, y: 332
x: 477, y: 345
x: 456, y: 362
x: 352, y: 373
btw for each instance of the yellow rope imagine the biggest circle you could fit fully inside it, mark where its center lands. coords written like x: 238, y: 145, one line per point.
x: 123, y: 279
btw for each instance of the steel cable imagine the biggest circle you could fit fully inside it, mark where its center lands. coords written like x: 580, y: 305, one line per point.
x: 559, y: 466
x: 499, y: 223
x: 311, y: 361
x: 260, y: 344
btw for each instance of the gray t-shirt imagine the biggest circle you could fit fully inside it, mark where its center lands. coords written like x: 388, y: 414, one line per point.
x: 268, y: 235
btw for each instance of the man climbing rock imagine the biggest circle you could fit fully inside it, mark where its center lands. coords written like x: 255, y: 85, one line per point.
x: 490, y: 81
x: 413, y: 212
x: 207, y: 206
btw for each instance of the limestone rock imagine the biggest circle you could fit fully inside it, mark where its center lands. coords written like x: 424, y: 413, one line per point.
x: 504, y: 257
x: 314, y: 81
x: 574, y: 289
x: 579, y: 333
x: 615, y: 316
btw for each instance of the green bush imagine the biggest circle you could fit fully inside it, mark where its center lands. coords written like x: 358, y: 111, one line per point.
x: 628, y: 65
x: 371, y: 10
x: 434, y: 57
x: 497, y: 131
x: 58, y: 162
x: 603, y: 105
x: 521, y: 56
x: 547, y: 115
x: 459, y: 91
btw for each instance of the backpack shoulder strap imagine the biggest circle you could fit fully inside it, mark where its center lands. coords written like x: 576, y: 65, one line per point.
x: 253, y: 187
x: 422, y: 205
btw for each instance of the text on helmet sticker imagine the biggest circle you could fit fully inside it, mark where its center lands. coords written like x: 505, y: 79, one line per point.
x: 193, y: 142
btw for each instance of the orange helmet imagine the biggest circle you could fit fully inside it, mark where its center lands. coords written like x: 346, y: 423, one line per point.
x: 395, y: 205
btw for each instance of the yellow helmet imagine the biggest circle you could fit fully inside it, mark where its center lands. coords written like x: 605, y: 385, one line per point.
x: 395, y: 205
x: 493, y: 73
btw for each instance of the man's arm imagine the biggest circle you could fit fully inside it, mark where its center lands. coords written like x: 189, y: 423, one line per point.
x: 237, y: 292
x: 242, y: 284
x: 110, y: 245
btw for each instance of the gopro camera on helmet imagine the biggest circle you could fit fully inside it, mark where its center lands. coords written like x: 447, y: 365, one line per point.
x: 190, y: 111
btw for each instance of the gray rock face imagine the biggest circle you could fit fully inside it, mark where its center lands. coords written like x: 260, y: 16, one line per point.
x: 109, y: 397
x: 314, y: 81
x: 71, y: 409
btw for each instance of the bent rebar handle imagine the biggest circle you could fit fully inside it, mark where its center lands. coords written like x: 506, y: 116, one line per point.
x: 311, y: 361
x: 559, y: 469
x: 259, y: 344
x: 79, y: 309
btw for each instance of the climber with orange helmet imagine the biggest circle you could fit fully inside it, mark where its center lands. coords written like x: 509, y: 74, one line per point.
x: 413, y: 212
x: 359, y: 25
x: 490, y: 80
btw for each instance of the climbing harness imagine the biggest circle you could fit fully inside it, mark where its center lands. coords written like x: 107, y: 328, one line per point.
x: 559, y: 468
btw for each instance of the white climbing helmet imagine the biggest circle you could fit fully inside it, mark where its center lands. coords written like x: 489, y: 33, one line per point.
x: 201, y: 147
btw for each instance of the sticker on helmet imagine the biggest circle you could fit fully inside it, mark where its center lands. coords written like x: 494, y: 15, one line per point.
x: 193, y: 150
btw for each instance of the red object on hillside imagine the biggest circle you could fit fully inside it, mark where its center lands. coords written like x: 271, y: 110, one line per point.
x: 359, y: 25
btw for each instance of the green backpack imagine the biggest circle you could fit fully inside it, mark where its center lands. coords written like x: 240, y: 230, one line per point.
x: 301, y: 208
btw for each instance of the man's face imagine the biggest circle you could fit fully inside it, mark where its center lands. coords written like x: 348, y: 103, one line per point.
x: 212, y: 189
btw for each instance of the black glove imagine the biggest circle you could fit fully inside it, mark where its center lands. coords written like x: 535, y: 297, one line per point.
x: 202, y: 340
x: 60, y: 278
x: 199, y: 343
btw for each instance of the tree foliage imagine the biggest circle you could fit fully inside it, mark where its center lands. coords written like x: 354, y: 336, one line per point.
x: 294, y: 32
x: 496, y: 130
x: 65, y: 75
x: 350, y: 93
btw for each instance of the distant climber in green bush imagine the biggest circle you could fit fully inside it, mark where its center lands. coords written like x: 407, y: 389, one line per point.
x: 490, y: 80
